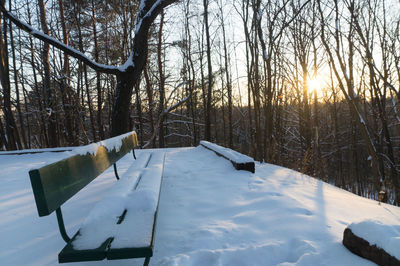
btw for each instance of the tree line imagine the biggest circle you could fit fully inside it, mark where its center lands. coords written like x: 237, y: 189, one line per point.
x: 312, y: 85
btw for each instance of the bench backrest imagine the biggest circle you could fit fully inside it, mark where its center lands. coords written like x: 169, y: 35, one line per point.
x: 55, y: 183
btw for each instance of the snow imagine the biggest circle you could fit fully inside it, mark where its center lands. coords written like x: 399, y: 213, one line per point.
x: 60, y: 149
x: 228, y: 153
x: 138, y: 198
x: 101, y: 221
x: 148, y: 13
x: 208, y: 214
x: 127, y: 64
x: 377, y: 233
x: 110, y: 144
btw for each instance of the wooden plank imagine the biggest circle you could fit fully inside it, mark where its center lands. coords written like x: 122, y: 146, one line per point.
x: 56, y: 183
x: 247, y: 166
x: 129, y: 253
x: 69, y: 254
x: 139, y: 252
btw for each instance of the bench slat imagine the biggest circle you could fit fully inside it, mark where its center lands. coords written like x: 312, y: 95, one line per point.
x: 77, y: 171
x: 142, y: 212
x: 69, y: 254
x: 129, y: 253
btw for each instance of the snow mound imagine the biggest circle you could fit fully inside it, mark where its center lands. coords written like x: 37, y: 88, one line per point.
x: 377, y: 233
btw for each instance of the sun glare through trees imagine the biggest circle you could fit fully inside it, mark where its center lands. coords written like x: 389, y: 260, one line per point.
x: 316, y: 84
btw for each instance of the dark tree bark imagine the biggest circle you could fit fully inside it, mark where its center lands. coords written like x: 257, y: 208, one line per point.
x: 149, y: 92
x: 16, y: 84
x: 98, y: 76
x: 3, y: 141
x: 13, y: 140
x: 131, y: 75
x: 161, y: 77
x: 228, y: 79
x: 44, y: 140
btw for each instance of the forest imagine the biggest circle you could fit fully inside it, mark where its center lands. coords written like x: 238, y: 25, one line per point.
x: 312, y: 85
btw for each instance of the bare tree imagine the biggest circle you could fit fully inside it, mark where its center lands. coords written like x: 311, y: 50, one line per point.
x: 13, y: 140
x: 128, y: 74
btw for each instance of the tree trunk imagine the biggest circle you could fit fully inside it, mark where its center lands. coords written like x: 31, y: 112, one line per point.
x: 13, y: 140
x: 50, y: 93
x: 16, y: 84
x: 161, y: 77
x: 210, y: 74
x: 149, y: 92
x: 98, y: 76
x: 228, y: 79
x: 44, y: 140
x: 67, y: 98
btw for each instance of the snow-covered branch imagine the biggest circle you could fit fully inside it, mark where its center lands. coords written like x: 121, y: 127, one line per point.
x: 179, y: 135
x: 58, y: 44
x: 168, y: 110
x: 148, y: 12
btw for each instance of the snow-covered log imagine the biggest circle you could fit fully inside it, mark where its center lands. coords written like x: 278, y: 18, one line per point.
x: 238, y: 160
x: 373, y: 241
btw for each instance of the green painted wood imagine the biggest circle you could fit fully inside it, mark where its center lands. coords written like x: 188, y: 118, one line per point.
x: 69, y: 254
x: 129, y: 253
x: 54, y: 184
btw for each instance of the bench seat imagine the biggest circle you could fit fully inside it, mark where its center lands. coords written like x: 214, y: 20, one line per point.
x: 122, y: 224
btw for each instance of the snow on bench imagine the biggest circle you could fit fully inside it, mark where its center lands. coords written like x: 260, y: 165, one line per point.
x: 238, y: 160
x: 122, y: 224
x: 375, y: 241
x: 103, y: 218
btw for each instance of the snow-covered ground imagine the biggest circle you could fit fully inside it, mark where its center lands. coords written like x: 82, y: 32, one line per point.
x: 209, y: 214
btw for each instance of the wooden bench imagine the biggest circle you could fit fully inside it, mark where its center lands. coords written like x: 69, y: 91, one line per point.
x: 122, y: 224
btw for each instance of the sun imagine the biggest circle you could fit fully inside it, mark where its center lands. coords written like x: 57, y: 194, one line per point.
x: 316, y: 84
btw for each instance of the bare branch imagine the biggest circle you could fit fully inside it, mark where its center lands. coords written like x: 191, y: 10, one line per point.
x: 165, y: 112
x: 60, y: 45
